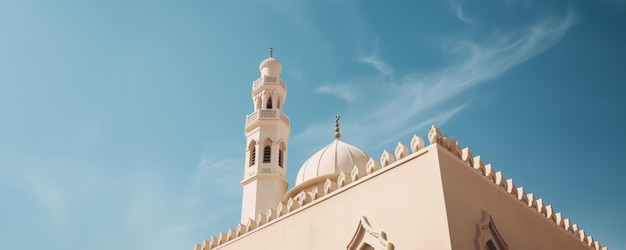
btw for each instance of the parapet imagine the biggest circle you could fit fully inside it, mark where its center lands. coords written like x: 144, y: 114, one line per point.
x: 487, y: 171
x: 309, y: 195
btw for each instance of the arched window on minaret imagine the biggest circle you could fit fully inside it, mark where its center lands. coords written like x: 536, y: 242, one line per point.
x: 252, y: 149
x: 278, y: 103
x: 267, y: 154
x: 269, y: 103
x: 281, y: 154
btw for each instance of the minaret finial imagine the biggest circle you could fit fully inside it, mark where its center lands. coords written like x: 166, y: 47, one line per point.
x: 271, y: 52
x: 337, y: 134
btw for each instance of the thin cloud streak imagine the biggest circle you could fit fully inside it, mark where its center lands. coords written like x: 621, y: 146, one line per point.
x: 344, y: 92
x: 53, y: 197
x: 439, y: 119
x: 223, y: 174
x: 479, y: 64
x: 460, y: 15
x: 420, y: 97
x: 165, y: 218
x: 379, y: 65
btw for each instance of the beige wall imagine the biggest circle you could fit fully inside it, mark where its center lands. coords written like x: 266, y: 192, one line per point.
x: 406, y: 202
x: 255, y: 200
x: 468, y: 194
x: 427, y: 200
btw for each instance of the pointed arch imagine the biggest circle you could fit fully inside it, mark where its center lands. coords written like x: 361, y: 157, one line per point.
x: 252, y: 153
x: 266, y: 146
x: 488, y: 236
x: 368, y: 238
x: 280, y: 157
x: 269, y: 103
x: 281, y: 153
x: 281, y: 144
x: 258, y: 101
x: 267, y: 141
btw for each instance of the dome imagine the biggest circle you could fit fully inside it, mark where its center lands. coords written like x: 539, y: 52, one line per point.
x: 335, y: 158
x: 270, y: 67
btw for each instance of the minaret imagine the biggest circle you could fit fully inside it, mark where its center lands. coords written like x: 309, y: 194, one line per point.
x: 267, y: 132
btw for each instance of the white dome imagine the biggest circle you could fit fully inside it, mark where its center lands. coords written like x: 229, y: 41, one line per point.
x: 270, y: 67
x: 335, y: 158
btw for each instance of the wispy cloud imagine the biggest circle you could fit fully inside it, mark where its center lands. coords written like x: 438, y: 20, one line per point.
x: 343, y: 91
x: 419, y: 100
x: 54, y: 198
x: 221, y: 174
x: 460, y: 15
x: 165, y: 218
x: 378, y: 64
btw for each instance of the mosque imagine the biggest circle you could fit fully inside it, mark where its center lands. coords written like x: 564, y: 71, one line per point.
x: 435, y: 196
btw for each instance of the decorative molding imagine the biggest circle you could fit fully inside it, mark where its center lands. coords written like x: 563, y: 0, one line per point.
x: 510, y: 187
x: 487, y: 232
x: 354, y: 174
x: 372, y: 166
x: 251, y: 225
x: 241, y: 229
x: 329, y: 187
x: 478, y: 164
x: 302, y: 198
x: 521, y: 195
x: 268, y: 80
x: 280, y: 209
x: 417, y: 143
x: 221, y: 239
x: 266, y: 114
x: 260, y: 220
x: 313, y: 193
x: 466, y: 156
x: 386, y: 158
x: 231, y: 234
x: 291, y: 205
x: 213, y: 242
x: 488, y: 172
x: 435, y: 136
x: 206, y: 245
x: 367, y: 237
x: 341, y: 180
x: 271, y: 215
x: 401, y: 151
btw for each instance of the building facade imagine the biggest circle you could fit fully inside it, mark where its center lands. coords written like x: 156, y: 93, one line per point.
x: 435, y: 196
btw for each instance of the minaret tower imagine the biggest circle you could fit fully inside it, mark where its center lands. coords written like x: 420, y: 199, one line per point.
x: 267, y: 132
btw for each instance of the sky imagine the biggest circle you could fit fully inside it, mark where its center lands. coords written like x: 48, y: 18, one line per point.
x: 121, y: 122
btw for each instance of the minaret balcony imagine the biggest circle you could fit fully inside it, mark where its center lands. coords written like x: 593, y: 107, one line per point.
x: 268, y: 80
x: 266, y: 114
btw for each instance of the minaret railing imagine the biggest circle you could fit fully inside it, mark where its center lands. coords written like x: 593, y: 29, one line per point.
x: 269, y: 80
x: 267, y: 114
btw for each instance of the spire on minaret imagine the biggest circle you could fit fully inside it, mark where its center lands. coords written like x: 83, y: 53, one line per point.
x: 271, y: 52
x: 337, y: 134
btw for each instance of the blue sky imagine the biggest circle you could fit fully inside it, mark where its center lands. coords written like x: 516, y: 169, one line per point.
x: 121, y: 122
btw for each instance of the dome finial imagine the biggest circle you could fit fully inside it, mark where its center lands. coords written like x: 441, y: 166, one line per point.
x: 337, y: 134
x: 271, y: 52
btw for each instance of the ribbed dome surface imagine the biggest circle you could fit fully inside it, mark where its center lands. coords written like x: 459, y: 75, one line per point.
x: 335, y: 158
